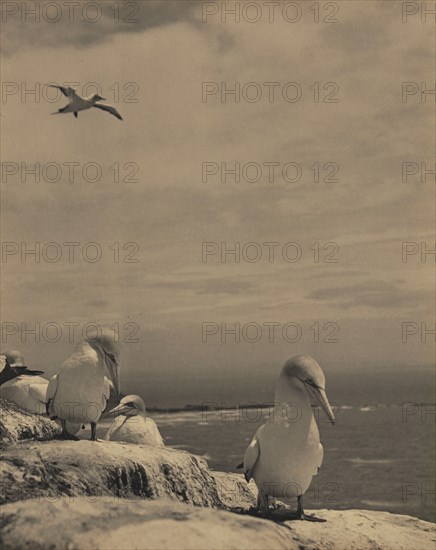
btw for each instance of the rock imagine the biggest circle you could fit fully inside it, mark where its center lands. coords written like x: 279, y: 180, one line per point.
x: 108, y: 522
x: 17, y: 425
x: 74, y: 468
x: 234, y: 492
x: 84, y: 494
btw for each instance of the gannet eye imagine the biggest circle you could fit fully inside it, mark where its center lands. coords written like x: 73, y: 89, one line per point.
x: 310, y: 382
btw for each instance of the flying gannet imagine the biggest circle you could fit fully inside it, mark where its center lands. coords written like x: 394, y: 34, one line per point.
x: 131, y: 424
x: 78, y: 103
x: 80, y: 391
x: 286, y: 451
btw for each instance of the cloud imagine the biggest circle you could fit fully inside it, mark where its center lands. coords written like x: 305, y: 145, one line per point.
x: 371, y: 294
x: 82, y: 26
x: 209, y: 287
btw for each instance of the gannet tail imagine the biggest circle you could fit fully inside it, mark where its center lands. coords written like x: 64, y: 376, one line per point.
x: 62, y: 110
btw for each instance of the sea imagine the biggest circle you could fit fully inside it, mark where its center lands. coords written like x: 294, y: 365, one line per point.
x: 379, y: 455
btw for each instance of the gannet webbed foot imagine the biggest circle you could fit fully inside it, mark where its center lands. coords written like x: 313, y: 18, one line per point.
x: 313, y: 518
x: 302, y: 516
x: 262, y: 509
x: 258, y: 512
x: 64, y: 435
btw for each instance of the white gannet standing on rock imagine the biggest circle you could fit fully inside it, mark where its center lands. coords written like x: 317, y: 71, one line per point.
x: 21, y: 385
x: 131, y: 424
x: 78, y: 103
x: 286, y: 451
x: 79, y: 393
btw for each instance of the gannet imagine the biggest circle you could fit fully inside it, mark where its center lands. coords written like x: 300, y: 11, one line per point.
x: 79, y: 393
x: 21, y: 385
x: 24, y: 387
x: 78, y: 103
x: 286, y: 451
x: 131, y: 424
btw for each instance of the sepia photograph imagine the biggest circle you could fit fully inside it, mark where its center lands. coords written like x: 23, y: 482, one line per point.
x: 217, y: 275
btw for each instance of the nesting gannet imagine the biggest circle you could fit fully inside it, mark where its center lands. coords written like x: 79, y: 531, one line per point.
x: 24, y: 387
x: 21, y: 385
x: 286, y: 451
x: 78, y: 103
x: 131, y: 424
x: 79, y: 393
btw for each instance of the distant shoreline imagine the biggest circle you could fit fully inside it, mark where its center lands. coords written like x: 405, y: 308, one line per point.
x: 267, y: 405
x: 210, y: 407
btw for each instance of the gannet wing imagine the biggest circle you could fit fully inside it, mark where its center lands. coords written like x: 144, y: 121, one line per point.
x: 106, y: 391
x: 321, y: 456
x: 155, y: 434
x: 68, y: 92
x: 110, y: 110
x: 115, y: 426
x: 52, y: 388
x: 251, y: 456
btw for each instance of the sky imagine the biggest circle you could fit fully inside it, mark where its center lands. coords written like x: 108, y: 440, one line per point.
x: 342, y: 292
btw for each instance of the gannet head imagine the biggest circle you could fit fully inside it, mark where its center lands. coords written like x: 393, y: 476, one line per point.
x: 103, y: 342
x: 14, y: 357
x: 97, y: 97
x: 131, y: 405
x: 305, y: 373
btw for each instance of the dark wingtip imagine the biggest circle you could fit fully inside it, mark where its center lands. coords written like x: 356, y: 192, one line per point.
x: 240, y: 466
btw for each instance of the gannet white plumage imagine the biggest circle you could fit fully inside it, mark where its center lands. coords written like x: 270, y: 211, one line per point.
x: 286, y: 451
x: 80, y: 391
x: 132, y: 425
x: 78, y: 103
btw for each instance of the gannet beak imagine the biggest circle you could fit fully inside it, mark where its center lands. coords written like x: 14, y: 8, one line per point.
x: 321, y: 396
x: 119, y: 409
x: 113, y: 368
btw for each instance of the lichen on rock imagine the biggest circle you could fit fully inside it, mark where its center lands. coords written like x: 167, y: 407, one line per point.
x: 17, y: 425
